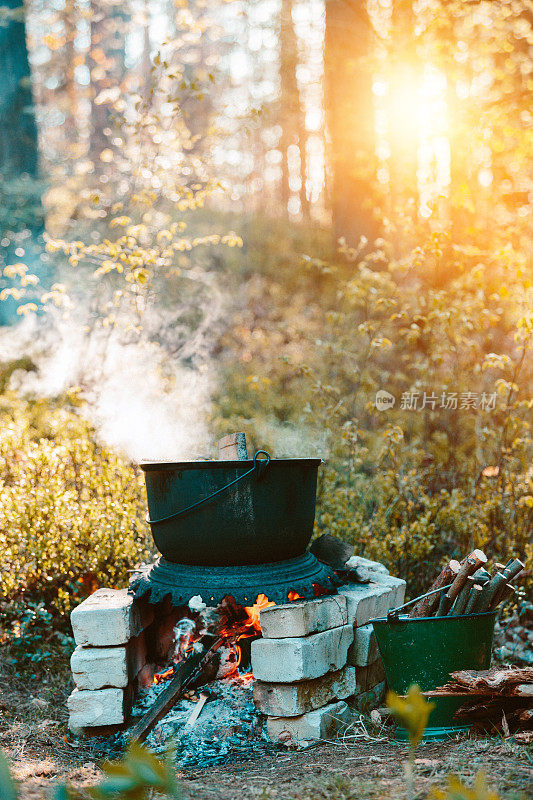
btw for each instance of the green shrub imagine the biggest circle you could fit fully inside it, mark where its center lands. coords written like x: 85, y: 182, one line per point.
x: 71, y: 511
x: 410, y: 488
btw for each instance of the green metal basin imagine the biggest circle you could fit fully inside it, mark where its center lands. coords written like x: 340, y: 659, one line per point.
x: 265, y: 516
x: 425, y: 650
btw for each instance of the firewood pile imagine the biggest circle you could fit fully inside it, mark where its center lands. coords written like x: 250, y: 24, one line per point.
x: 468, y: 587
x: 498, y: 698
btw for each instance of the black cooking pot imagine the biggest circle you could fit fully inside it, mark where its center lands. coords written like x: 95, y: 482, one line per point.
x: 218, y: 513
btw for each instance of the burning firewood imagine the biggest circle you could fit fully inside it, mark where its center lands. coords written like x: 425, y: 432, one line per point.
x: 183, y: 676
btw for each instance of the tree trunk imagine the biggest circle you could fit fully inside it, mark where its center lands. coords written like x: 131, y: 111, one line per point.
x: 292, y: 117
x: 106, y: 63
x: 21, y: 212
x: 350, y: 120
x: 404, y: 139
x: 18, y: 131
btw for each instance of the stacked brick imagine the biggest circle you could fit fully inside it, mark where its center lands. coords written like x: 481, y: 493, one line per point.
x: 299, y: 667
x: 315, y: 655
x: 366, y: 602
x: 110, y: 660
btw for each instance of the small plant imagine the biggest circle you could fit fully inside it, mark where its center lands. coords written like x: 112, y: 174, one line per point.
x: 456, y: 790
x: 138, y: 775
x: 412, y: 712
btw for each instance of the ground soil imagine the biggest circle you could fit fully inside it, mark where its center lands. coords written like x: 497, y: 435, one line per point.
x: 366, y: 765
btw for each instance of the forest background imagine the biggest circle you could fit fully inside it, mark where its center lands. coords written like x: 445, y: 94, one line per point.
x: 304, y: 219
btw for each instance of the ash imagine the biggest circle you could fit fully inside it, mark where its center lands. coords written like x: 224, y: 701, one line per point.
x: 229, y: 725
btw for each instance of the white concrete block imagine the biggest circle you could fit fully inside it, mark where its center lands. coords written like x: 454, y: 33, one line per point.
x: 323, y: 723
x: 294, y: 699
x: 364, y: 601
x: 397, y: 586
x: 97, y: 667
x: 109, y: 617
x: 302, y: 618
x: 369, y: 677
x: 102, y: 707
x: 364, y: 649
x: 372, y: 600
x: 291, y: 660
x: 371, y: 566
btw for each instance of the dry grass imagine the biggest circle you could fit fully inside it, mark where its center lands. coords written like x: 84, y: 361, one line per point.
x: 365, y: 765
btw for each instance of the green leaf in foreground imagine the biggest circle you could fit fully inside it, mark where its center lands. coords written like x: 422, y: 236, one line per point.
x: 457, y: 790
x: 137, y: 776
x: 7, y: 787
x: 412, y: 712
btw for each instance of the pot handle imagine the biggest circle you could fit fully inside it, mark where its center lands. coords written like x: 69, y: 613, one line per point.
x: 393, y: 615
x: 259, y: 467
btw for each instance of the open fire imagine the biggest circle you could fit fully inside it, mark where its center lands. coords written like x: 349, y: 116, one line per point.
x: 237, y: 626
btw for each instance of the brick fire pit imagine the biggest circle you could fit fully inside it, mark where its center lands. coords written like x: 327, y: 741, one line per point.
x: 316, y: 661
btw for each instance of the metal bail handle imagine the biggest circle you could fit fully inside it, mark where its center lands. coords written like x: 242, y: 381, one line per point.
x: 393, y: 615
x: 260, y: 464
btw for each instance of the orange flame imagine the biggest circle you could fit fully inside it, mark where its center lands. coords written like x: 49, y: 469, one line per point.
x: 254, y: 613
x: 240, y: 622
x: 159, y: 677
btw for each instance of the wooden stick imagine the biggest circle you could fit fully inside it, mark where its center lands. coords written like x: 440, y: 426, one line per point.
x: 502, y: 595
x: 172, y: 693
x: 469, y: 565
x: 473, y: 599
x: 508, y: 591
x: 462, y: 597
x: 426, y: 606
x: 197, y: 710
x: 481, y: 576
x: 233, y: 448
x: 512, y: 569
x: 489, y: 592
x: 514, y: 566
x: 443, y: 607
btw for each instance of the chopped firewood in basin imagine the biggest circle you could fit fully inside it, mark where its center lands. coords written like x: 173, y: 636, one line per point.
x: 469, y: 587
